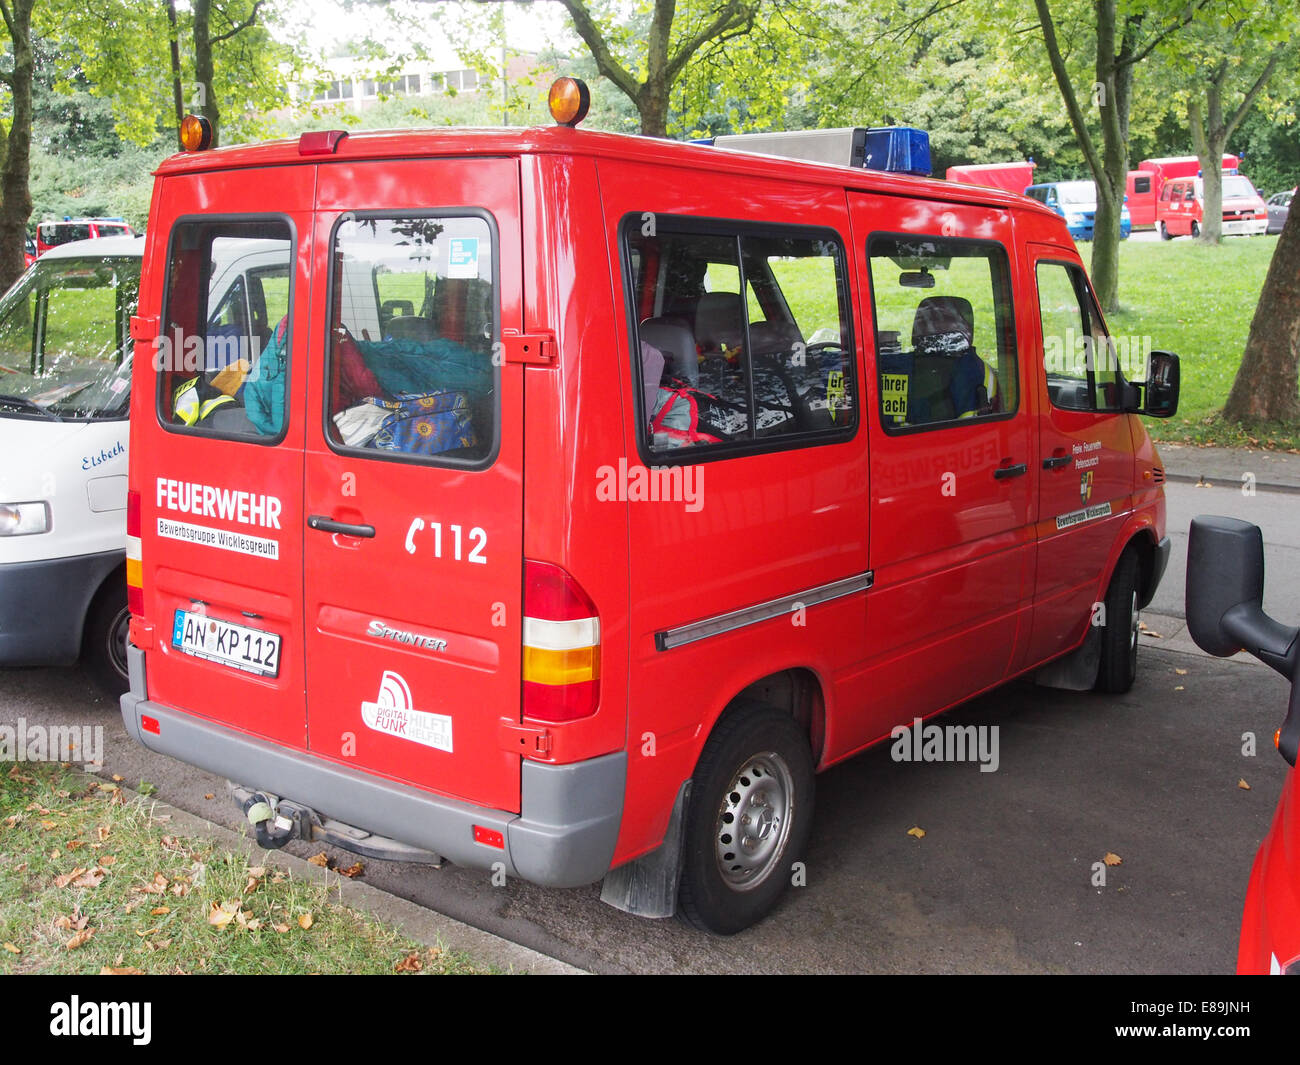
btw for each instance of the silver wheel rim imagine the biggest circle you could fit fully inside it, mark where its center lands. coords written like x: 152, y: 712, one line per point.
x: 754, y: 820
x: 1136, y: 616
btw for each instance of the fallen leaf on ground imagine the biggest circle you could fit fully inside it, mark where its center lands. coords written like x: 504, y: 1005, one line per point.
x: 126, y: 970
x: 67, y: 878
x: 322, y: 859
x: 1243, y: 785
x: 304, y: 921
x: 1181, y: 672
x: 12, y: 949
x: 916, y: 831
x: 91, y: 878
x: 410, y: 964
x: 209, y: 795
x: 1112, y: 859
x: 354, y: 870
x: 118, y: 778
x: 220, y: 916
x: 158, y: 911
x: 79, y: 939
x: 281, y: 928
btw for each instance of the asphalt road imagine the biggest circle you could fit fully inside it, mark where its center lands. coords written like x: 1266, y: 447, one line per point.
x: 1002, y: 880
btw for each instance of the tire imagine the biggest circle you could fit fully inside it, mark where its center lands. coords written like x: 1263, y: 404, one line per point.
x: 1164, y: 232
x: 755, y: 765
x: 1196, y: 230
x: 1119, y: 636
x: 103, y: 646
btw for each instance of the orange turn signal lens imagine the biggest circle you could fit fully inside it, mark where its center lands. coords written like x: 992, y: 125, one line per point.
x: 569, y: 101
x: 196, y: 133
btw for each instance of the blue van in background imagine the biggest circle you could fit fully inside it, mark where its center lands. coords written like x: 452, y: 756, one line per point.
x: 1076, y: 202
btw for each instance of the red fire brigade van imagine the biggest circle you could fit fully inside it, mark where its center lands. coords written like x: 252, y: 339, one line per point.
x: 576, y: 497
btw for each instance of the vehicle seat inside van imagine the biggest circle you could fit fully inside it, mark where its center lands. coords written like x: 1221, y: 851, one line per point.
x: 948, y: 377
x: 672, y: 337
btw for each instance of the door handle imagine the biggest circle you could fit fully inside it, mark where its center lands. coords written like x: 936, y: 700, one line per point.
x: 1003, y: 472
x: 1057, y: 461
x: 323, y: 524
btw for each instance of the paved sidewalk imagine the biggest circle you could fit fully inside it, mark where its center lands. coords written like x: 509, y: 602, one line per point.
x: 1277, y: 471
x: 1170, y: 634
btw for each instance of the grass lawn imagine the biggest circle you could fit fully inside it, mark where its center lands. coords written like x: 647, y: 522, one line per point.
x: 1198, y: 302
x: 92, y: 880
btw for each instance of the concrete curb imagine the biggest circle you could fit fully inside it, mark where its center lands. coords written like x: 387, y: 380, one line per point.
x: 425, y: 926
x: 1173, y: 636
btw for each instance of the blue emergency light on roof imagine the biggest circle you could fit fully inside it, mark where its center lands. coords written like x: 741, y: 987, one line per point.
x: 899, y: 150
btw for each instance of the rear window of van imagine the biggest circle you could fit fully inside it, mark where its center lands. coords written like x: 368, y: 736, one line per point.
x: 222, y: 356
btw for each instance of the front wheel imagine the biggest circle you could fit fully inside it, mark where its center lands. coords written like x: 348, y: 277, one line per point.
x: 749, y: 819
x: 1164, y: 232
x: 104, y: 644
x: 1119, y: 634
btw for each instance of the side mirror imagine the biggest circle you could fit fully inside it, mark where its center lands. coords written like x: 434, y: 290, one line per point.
x: 1161, y: 389
x: 1225, y: 593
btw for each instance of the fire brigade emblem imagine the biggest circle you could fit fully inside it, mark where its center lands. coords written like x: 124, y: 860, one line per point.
x: 1085, y: 486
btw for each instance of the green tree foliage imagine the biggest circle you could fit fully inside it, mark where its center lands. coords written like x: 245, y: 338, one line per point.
x: 122, y: 51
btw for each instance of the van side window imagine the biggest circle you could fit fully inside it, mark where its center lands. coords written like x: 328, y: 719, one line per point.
x: 1078, y: 356
x: 945, y: 345
x: 221, y: 369
x: 413, y: 322
x: 1141, y: 185
x: 718, y: 368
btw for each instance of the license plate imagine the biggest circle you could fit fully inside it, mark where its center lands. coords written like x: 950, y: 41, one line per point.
x: 238, y: 646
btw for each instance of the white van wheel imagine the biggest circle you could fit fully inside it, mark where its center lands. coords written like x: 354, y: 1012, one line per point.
x: 104, y: 643
x: 749, y: 819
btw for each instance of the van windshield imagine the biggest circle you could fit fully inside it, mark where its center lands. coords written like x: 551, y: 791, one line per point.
x: 64, y: 339
x: 1235, y: 186
x: 1077, y: 192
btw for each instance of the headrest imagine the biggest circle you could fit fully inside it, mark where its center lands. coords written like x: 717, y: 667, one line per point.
x: 673, y: 338
x: 944, y: 325
x: 719, y: 321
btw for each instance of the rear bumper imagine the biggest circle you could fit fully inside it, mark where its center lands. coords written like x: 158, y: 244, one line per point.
x: 43, y: 607
x: 564, y: 835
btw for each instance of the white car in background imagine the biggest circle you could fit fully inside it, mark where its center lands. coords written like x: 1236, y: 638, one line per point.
x: 65, y: 376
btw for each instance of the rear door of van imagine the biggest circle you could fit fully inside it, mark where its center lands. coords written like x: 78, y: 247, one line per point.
x: 217, y: 449
x: 413, y: 514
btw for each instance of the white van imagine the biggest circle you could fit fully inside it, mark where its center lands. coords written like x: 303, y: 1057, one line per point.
x: 65, y: 379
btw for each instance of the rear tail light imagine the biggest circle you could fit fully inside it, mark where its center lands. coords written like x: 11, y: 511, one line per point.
x: 134, y: 568
x: 561, y: 646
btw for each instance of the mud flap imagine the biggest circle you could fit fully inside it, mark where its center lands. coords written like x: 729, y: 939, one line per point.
x: 647, y: 887
x: 1077, y: 671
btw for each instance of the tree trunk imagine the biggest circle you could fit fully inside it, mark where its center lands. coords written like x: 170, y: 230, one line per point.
x: 1267, y: 387
x: 178, y: 99
x: 204, y: 73
x: 1209, y: 142
x: 15, y: 195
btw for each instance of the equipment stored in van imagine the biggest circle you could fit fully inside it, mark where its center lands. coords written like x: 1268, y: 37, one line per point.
x: 610, y: 488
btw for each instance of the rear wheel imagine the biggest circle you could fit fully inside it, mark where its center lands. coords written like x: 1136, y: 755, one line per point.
x: 1119, y: 635
x: 103, y: 646
x: 1196, y: 230
x: 749, y: 819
